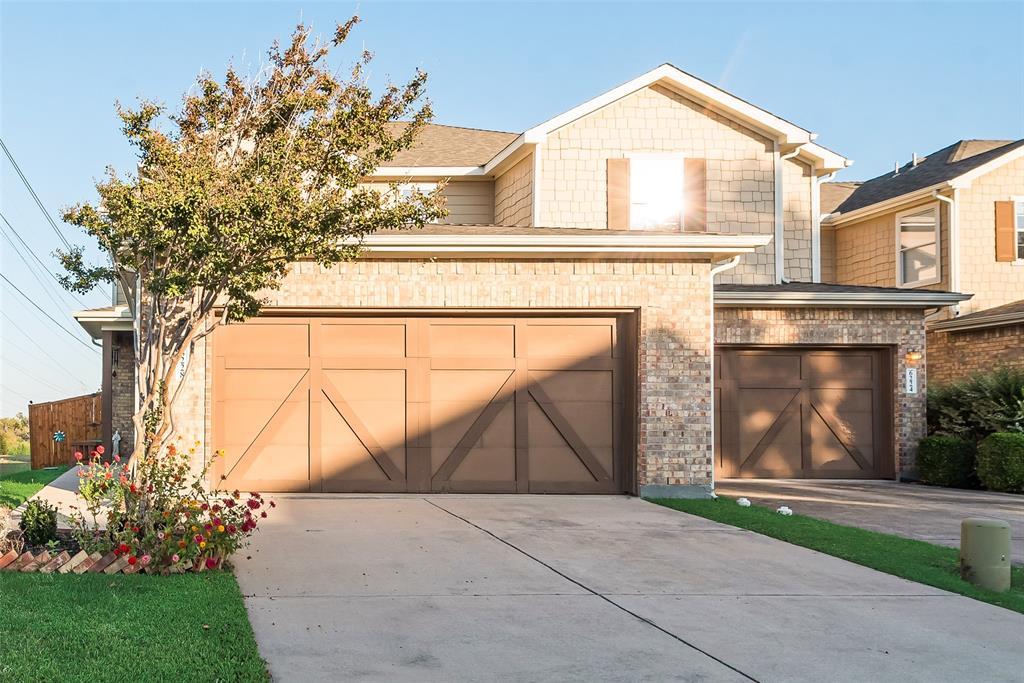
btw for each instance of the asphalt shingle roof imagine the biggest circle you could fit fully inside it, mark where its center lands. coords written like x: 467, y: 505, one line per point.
x: 438, y: 145
x: 809, y: 287
x: 945, y: 164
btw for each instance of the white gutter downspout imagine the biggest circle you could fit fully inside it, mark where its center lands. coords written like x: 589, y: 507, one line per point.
x: 816, y: 225
x: 954, y: 241
x: 780, y: 251
x: 720, y: 268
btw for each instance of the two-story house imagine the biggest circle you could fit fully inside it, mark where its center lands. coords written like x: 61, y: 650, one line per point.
x: 627, y: 297
x: 951, y: 220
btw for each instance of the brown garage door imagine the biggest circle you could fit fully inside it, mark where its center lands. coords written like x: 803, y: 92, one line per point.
x: 799, y: 412
x: 510, y: 405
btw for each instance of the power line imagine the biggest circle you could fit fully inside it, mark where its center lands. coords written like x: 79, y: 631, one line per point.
x: 42, y: 285
x: 32, y: 192
x: 40, y: 262
x: 48, y: 357
x: 52, y: 319
x: 16, y: 393
x: 36, y: 378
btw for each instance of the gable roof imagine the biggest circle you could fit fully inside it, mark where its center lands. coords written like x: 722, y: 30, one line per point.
x: 834, y: 194
x: 944, y: 166
x: 440, y: 145
x: 997, y: 316
x: 449, y: 150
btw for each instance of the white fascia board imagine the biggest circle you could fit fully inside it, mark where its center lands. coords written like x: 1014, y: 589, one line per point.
x: 786, y: 132
x: 95, y: 322
x: 978, y: 323
x: 512, y: 153
x: 919, y: 299
x: 547, y: 246
x: 410, y: 172
x: 838, y: 219
x: 825, y: 161
x: 965, y: 180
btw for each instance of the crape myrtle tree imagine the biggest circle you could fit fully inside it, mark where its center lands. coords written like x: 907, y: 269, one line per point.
x: 251, y: 174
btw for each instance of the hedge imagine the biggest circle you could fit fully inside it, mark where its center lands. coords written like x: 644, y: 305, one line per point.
x: 1001, y: 462
x: 947, y: 461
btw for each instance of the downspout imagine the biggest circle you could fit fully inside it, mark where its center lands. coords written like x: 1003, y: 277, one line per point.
x: 816, y: 225
x: 954, y: 242
x: 780, y: 250
x: 720, y: 268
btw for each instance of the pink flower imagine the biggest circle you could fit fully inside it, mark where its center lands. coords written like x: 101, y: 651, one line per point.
x: 78, y: 456
x: 160, y: 535
x: 145, y: 560
x: 117, y: 458
x: 210, y: 563
x: 175, y: 558
x: 253, y: 504
x: 100, y: 450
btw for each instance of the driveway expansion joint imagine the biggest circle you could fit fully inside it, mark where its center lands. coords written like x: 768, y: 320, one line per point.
x: 595, y: 593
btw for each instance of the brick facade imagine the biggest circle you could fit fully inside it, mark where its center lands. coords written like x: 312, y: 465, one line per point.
x: 954, y: 355
x: 674, y: 349
x: 902, y: 329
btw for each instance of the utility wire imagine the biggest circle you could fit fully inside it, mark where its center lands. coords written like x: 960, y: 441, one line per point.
x: 32, y: 192
x: 47, y: 356
x: 42, y: 284
x: 35, y: 378
x: 40, y: 262
x: 52, y: 319
x: 16, y: 393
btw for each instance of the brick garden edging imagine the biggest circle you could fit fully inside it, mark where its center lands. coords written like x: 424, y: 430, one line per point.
x: 82, y: 563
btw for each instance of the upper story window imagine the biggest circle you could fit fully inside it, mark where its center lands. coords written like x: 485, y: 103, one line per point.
x: 1018, y: 224
x: 656, y: 191
x: 917, y: 241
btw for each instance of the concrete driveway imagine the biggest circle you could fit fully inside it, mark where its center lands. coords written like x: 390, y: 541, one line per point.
x: 526, y: 588
x: 927, y: 513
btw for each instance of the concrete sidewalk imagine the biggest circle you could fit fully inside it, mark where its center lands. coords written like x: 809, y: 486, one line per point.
x: 927, y: 513
x: 588, y: 588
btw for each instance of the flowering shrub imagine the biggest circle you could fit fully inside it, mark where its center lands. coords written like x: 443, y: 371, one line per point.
x: 162, y: 518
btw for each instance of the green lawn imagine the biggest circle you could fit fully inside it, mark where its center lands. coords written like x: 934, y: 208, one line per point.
x: 18, y: 487
x: 190, y: 627
x: 925, y: 563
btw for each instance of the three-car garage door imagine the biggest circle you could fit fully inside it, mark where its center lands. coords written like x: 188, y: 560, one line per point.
x: 459, y: 404
x: 803, y: 413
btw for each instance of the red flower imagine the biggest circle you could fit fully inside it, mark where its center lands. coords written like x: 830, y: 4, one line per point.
x: 273, y: 504
x: 133, y: 488
x: 78, y: 456
x: 210, y: 563
x: 253, y: 504
x: 229, y: 503
x: 204, y: 507
x: 135, y: 529
x: 232, y: 528
x: 263, y: 514
x: 100, y: 450
x: 199, y: 539
x: 123, y: 548
x: 132, y: 560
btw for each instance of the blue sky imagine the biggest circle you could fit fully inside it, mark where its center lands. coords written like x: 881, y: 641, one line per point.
x: 876, y: 81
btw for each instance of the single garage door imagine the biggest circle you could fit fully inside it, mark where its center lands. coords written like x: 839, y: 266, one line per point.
x: 804, y: 412
x: 459, y: 404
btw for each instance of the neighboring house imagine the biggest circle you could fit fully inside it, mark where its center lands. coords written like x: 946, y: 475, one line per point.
x: 562, y: 333
x: 952, y: 220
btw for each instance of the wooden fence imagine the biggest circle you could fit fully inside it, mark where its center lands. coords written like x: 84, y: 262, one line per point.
x: 80, y: 418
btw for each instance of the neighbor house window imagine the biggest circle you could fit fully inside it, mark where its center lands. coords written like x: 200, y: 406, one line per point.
x: 656, y: 191
x: 1018, y: 224
x: 917, y: 239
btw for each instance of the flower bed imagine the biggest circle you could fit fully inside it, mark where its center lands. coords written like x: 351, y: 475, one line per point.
x: 159, y: 519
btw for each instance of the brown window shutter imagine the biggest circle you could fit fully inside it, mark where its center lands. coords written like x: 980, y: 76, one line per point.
x: 618, y: 194
x: 1006, y: 247
x: 695, y: 195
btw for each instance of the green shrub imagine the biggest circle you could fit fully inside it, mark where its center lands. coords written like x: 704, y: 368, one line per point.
x: 39, y: 522
x: 1001, y: 462
x: 947, y: 461
x: 981, y: 405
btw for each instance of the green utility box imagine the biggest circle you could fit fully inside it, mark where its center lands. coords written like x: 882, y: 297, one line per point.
x: 985, y: 553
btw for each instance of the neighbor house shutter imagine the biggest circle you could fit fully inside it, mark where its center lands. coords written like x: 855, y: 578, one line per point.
x: 695, y: 195
x: 618, y: 194
x: 1006, y: 247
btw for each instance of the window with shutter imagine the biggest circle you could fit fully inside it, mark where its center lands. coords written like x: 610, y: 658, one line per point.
x: 1018, y: 228
x: 656, y: 191
x: 1009, y: 230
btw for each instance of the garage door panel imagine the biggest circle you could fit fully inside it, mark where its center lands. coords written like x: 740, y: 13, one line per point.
x: 802, y: 413
x: 350, y: 339
x: 570, y: 341
x: 470, y: 340
x: 422, y: 404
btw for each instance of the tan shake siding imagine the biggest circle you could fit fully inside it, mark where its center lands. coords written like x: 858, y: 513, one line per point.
x: 468, y: 201
x: 674, y: 411
x: 955, y: 355
x: 900, y: 328
x: 797, y: 184
x: 828, y: 254
x: 992, y: 283
x: 740, y: 171
x: 865, y: 250
x: 513, y: 194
